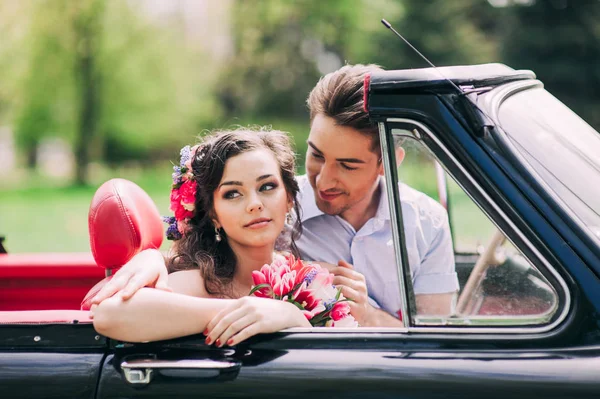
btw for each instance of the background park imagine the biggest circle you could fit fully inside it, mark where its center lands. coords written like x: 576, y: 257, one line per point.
x: 95, y: 89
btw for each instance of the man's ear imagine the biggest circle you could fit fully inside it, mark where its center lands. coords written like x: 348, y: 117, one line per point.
x: 400, y: 154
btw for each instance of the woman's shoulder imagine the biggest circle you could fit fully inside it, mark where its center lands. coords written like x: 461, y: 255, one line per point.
x: 188, y: 282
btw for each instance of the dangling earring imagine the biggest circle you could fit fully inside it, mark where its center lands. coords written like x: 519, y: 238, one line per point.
x: 288, y: 218
x: 218, y: 237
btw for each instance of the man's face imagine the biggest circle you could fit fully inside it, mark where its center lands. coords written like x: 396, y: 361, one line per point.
x: 341, y: 167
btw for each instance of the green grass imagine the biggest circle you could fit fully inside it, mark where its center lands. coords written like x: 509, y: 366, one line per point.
x: 45, y: 217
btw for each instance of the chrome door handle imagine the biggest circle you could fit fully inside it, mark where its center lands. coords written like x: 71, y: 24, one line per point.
x: 141, y: 371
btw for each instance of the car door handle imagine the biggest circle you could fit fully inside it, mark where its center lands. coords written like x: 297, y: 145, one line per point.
x: 141, y: 371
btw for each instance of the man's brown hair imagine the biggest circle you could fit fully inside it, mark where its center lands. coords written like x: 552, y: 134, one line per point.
x: 340, y: 95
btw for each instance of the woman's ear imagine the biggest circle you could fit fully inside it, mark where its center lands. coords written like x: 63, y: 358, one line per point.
x: 216, y: 223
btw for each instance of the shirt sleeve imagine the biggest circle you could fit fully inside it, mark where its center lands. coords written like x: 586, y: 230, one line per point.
x: 437, y: 272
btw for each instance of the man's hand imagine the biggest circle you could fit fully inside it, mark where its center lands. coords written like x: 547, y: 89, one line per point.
x: 354, y: 287
x: 146, y: 269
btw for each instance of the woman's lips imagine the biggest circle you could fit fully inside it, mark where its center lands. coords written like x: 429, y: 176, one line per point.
x: 258, y: 223
x: 328, y: 196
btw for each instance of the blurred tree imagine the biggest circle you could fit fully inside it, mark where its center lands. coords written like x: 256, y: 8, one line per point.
x: 12, y: 32
x: 457, y: 32
x: 560, y: 41
x: 112, y: 82
x: 42, y: 101
x: 282, y: 48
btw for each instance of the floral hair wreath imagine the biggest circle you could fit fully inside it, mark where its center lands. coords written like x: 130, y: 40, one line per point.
x: 183, y: 193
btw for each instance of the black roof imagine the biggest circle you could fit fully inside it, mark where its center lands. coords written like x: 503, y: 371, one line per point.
x: 472, y: 75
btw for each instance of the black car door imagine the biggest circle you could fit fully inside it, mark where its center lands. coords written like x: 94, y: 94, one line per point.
x: 50, y: 360
x: 382, y: 364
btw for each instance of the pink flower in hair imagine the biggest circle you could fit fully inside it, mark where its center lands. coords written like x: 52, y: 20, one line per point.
x: 187, y: 193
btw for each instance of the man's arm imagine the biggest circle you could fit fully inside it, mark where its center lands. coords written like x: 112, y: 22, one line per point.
x: 435, y: 304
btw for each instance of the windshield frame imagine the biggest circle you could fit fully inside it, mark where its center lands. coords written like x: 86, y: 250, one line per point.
x: 490, y: 104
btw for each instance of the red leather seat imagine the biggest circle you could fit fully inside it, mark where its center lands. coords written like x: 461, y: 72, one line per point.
x: 123, y: 220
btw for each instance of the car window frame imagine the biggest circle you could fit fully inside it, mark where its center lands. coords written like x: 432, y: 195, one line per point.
x: 419, y: 131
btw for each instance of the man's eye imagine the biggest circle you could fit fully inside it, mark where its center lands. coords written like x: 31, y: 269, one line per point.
x: 231, y: 194
x: 347, y: 167
x: 268, y: 187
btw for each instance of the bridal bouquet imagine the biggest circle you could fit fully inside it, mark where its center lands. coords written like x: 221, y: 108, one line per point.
x: 308, y: 286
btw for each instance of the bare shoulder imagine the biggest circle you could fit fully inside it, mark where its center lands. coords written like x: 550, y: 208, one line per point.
x: 188, y: 282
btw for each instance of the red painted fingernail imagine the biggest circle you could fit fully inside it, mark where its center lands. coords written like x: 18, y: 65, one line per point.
x: 205, y: 331
x: 218, y: 342
x: 207, y: 340
x: 230, y: 341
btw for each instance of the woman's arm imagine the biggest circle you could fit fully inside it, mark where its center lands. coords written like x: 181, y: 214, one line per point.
x: 153, y: 315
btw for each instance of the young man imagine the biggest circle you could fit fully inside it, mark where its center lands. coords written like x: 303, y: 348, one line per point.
x: 346, y: 220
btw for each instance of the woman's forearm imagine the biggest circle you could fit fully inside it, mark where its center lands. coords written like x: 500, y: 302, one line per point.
x: 152, y: 315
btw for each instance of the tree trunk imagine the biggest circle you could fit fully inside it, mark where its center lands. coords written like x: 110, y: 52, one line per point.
x: 87, y: 36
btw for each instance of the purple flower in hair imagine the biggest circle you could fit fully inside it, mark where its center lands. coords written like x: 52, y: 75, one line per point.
x: 185, y: 155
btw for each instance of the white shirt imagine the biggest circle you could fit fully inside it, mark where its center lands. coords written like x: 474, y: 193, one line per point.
x: 371, y: 250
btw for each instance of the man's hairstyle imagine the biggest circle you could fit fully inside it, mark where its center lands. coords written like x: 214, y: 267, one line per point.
x: 340, y: 95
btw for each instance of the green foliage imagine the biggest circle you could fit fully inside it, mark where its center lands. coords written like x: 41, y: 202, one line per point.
x: 559, y: 40
x: 446, y: 32
x: 111, y: 82
x: 282, y: 48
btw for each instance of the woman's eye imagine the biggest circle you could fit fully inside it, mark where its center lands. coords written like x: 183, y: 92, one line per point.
x: 268, y: 187
x: 347, y: 167
x: 315, y: 155
x: 231, y: 194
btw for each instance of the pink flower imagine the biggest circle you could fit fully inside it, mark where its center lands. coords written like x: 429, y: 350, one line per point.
x: 346, y: 322
x: 306, y: 298
x: 340, y: 310
x: 322, y: 285
x: 309, y: 314
x: 263, y: 276
x: 284, y: 284
x: 187, y: 192
x: 176, y: 207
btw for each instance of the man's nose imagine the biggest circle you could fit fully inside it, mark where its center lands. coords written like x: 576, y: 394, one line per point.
x: 327, y: 178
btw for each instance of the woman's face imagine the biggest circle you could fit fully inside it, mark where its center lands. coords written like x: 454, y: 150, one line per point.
x: 251, y: 201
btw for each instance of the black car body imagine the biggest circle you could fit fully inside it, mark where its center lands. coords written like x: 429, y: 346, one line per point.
x: 457, y: 113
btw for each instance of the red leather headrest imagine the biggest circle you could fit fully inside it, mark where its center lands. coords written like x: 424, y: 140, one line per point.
x: 123, y: 220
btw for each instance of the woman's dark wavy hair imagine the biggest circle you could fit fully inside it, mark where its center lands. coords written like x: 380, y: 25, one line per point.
x: 198, y: 248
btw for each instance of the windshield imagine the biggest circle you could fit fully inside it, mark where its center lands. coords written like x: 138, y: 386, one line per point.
x: 560, y: 147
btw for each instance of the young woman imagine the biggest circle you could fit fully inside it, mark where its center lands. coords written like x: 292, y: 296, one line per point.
x: 232, y: 197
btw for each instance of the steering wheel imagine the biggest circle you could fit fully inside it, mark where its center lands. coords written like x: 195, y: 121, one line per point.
x: 487, y: 258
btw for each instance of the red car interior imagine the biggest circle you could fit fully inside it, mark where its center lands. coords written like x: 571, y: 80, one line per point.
x: 123, y: 220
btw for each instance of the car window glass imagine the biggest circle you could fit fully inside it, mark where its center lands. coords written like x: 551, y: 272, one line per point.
x: 498, y: 286
x: 561, y: 148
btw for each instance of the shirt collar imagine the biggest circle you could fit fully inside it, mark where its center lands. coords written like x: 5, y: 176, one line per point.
x: 310, y: 209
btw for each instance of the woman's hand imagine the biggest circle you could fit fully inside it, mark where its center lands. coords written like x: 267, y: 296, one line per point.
x: 146, y: 269
x: 249, y: 316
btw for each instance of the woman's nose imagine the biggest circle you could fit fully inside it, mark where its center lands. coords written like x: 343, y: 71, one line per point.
x: 255, y: 205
